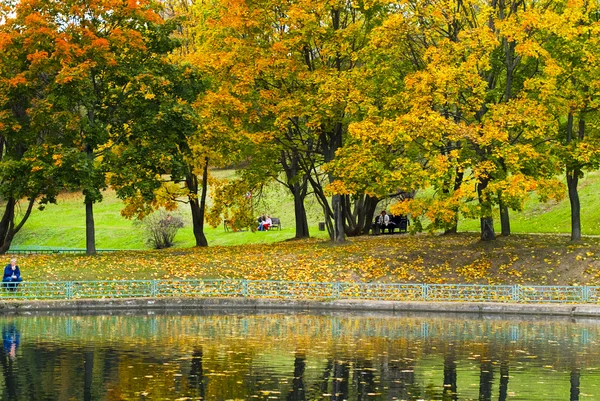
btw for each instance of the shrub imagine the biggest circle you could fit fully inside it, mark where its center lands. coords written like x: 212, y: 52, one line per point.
x: 161, y: 228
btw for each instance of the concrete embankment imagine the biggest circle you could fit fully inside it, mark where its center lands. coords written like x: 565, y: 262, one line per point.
x: 234, y: 304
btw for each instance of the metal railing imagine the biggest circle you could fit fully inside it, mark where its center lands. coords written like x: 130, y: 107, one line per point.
x: 300, y: 290
x: 37, y: 250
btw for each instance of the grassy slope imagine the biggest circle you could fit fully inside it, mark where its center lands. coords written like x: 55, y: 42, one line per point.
x: 63, y: 225
x: 553, y: 217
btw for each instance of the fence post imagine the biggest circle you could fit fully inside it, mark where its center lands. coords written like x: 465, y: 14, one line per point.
x: 69, y: 289
x: 335, y: 290
x: 154, y: 288
x: 516, y: 296
x: 245, y: 288
x: 585, y: 294
x: 425, y: 292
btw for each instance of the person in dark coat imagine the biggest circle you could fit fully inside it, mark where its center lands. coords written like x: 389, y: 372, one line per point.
x: 12, y: 275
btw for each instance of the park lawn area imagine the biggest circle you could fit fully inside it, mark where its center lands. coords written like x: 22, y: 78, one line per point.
x: 552, y: 216
x: 62, y: 225
x: 518, y: 259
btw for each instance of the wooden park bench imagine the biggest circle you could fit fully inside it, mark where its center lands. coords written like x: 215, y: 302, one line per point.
x: 275, y: 222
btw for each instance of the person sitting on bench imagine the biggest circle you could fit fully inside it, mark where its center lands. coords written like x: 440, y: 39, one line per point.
x: 383, y: 221
x: 12, y: 275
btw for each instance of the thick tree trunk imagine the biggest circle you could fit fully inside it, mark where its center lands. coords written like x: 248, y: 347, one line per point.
x: 338, y: 219
x: 297, y: 183
x: 370, y: 206
x: 486, y: 220
x: 358, y: 214
x: 198, y: 207
x: 300, y: 213
x: 90, y: 229
x: 6, y: 224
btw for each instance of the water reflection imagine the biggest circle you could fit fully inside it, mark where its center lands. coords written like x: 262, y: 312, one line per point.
x: 297, y: 357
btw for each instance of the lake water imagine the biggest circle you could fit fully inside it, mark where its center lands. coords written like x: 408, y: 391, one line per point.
x: 298, y: 356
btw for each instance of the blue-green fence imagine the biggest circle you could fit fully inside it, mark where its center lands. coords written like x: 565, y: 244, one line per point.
x: 302, y: 290
x: 32, y: 250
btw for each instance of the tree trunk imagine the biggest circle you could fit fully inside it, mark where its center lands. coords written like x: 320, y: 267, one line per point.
x: 300, y: 213
x: 297, y: 183
x: 572, y: 182
x: 198, y: 207
x: 338, y: 219
x: 370, y: 206
x: 573, y: 172
x: 90, y: 229
x: 7, y: 224
x: 457, y: 183
x: 504, y: 219
x: 486, y: 220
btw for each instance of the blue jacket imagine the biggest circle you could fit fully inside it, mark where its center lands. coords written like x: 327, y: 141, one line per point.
x: 8, y: 272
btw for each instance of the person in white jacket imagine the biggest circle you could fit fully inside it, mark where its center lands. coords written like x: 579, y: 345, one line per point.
x: 383, y: 220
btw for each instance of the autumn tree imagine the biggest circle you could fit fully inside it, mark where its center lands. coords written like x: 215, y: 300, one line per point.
x: 568, y: 43
x: 294, y: 66
x: 461, y: 118
x: 102, y: 49
x: 32, y: 126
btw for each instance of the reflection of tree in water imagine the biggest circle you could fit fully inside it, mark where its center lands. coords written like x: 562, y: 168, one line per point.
x: 503, y: 393
x: 486, y: 377
x: 196, y: 378
x: 449, y: 391
x: 365, y: 379
x: 401, y: 375
x: 298, y: 393
x: 341, y: 376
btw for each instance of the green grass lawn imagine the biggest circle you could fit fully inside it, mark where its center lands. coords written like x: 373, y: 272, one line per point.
x: 63, y: 225
x: 552, y: 216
